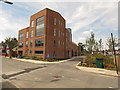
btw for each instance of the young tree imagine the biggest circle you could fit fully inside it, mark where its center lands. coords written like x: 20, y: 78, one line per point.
x: 81, y: 45
x: 12, y: 43
x: 4, y: 45
x: 100, y: 44
x: 90, y: 42
x: 109, y: 43
x: 96, y: 46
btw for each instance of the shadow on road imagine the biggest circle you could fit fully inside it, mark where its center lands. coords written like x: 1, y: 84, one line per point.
x: 26, y: 70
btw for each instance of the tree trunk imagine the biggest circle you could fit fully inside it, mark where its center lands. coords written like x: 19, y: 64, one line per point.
x: 10, y: 54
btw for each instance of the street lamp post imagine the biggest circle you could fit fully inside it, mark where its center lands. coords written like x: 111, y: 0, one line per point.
x: 8, y: 2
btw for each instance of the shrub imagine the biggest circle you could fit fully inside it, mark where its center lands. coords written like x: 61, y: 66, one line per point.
x: 51, y: 60
x: 27, y: 57
x: 110, y: 65
x: 98, y: 55
x: 21, y: 57
x: 33, y: 57
x: 92, y: 60
x: 85, y: 60
x: 41, y: 59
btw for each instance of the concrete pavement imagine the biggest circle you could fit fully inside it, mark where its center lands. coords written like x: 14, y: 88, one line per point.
x: 97, y: 70
x: 43, y: 62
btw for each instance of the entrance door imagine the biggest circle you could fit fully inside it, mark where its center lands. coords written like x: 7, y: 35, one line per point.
x: 20, y: 53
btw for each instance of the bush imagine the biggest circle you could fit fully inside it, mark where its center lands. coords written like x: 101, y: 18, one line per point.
x: 41, y: 59
x: 33, y: 57
x: 92, y: 60
x: 21, y: 57
x: 110, y: 65
x: 51, y: 60
x: 98, y: 55
x: 27, y: 57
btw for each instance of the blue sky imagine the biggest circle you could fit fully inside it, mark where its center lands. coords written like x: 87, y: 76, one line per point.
x: 83, y: 17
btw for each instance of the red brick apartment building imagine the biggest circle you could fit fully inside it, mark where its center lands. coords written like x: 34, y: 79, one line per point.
x: 47, y: 37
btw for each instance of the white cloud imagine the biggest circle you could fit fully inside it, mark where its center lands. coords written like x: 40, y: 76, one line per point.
x: 88, y: 33
x: 10, y: 25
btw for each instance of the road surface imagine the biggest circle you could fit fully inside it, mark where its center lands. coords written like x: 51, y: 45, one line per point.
x: 60, y: 75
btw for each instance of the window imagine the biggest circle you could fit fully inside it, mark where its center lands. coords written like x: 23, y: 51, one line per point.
x: 66, y: 39
x: 70, y: 39
x: 54, y: 21
x: 26, y: 34
x: 31, y: 43
x: 59, y: 43
x: 26, y: 43
x: 59, y: 22
x: 39, y: 42
x: 30, y: 51
x: 54, y: 43
x: 20, y: 45
x: 40, y: 26
x: 59, y: 33
x: 54, y: 32
x: 54, y: 54
x: 31, y: 33
x: 32, y: 24
x: 21, y: 36
x: 39, y: 52
x: 26, y: 51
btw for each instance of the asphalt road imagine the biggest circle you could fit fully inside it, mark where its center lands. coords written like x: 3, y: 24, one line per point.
x: 60, y: 75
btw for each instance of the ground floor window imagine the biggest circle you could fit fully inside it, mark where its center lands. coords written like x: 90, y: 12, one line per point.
x: 54, y: 54
x: 30, y: 51
x: 39, y: 52
x: 39, y: 42
x: 20, y: 53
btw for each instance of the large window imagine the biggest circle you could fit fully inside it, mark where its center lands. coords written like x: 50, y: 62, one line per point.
x: 54, y: 43
x: 59, y: 43
x: 20, y: 45
x: 21, y: 36
x: 26, y: 34
x: 54, y: 21
x: 39, y: 52
x: 26, y: 43
x: 59, y: 33
x: 40, y: 26
x: 31, y: 35
x: 39, y: 42
x: 32, y: 24
x: 54, y: 54
x: 54, y: 32
x: 31, y: 43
